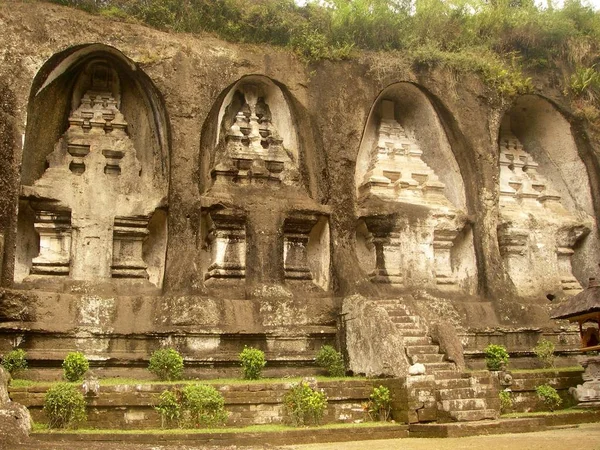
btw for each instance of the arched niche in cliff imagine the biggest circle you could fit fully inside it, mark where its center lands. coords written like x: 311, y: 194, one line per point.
x: 546, y: 210
x: 257, y: 157
x: 412, y: 228
x: 95, y: 171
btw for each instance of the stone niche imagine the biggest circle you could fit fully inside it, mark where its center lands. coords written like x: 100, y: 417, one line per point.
x: 545, y: 202
x: 412, y: 229
x: 92, y: 202
x: 260, y: 226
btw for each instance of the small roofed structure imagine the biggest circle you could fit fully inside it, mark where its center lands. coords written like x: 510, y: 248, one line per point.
x: 584, y: 308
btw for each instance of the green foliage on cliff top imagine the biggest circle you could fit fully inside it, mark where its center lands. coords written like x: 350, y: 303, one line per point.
x: 494, y: 38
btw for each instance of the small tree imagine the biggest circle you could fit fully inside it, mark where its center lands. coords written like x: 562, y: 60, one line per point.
x: 544, y: 350
x: 75, y: 366
x: 496, y: 357
x: 506, y: 401
x: 64, y: 405
x: 303, y: 405
x: 331, y: 360
x: 379, y: 406
x: 15, y: 361
x: 253, y: 362
x: 169, y: 407
x: 548, y: 396
x: 202, y: 406
x: 166, y: 364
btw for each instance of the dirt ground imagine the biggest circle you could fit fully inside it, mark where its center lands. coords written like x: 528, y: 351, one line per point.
x: 565, y: 438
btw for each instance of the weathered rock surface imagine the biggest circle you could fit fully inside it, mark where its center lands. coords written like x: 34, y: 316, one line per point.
x: 373, y: 345
x: 445, y: 335
x: 15, y: 421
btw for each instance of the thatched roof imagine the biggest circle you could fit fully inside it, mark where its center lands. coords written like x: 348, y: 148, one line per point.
x: 586, y: 302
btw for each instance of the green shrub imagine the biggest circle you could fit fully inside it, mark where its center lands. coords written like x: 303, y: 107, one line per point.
x: 166, y: 364
x: 169, y: 407
x: 15, y: 361
x: 379, y: 406
x: 331, y: 360
x: 64, y: 405
x: 544, y: 350
x: 202, y: 406
x: 304, y: 405
x: 75, y: 366
x: 506, y: 401
x: 496, y: 357
x: 548, y: 395
x: 253, y: 361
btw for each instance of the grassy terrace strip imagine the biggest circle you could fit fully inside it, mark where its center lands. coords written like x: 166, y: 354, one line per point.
x: 43, y: 428
x: 503, y: 41
x: 549, y: 371
x: 18, y: 383
x: 519, y: 415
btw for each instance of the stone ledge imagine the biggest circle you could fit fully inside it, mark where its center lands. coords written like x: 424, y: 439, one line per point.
x: 297, y: 436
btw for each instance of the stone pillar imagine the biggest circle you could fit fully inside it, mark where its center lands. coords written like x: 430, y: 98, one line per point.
x: 296, y: 231
x: 388, y: 262
x: 513, y: 249
x: 226, y: 239
x: 1, y: 253
x: 443, y: 241
x: 129, y: 234
x: 265, y: 249
x: 565, y: 241
x: 54, y: 229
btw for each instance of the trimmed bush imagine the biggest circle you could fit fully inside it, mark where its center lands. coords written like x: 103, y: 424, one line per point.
x: 544, y: 350
x: 303, y: 405
x: 379, y: 406
x: 15, y: 361
x: 64, y: 405
x: 75, y: 366
x: 166, y: 364
x: 331, y: 360
x: 253, y: 361
x: 496, y: 357
x: 202, y: 406
x: 548, y: 396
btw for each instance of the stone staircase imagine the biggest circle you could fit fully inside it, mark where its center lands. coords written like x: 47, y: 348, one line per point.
x: 460, y: 396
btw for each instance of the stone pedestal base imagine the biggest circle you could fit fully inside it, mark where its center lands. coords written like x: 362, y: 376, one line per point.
x: 588, y: 393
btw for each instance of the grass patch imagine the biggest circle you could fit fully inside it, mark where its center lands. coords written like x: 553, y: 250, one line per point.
x: 136, y: 382
x: 549, y: 370
x: 43, y: 428
x: 519, y: 415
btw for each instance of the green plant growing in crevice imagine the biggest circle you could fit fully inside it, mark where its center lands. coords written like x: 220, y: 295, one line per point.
x: 64, y: 405
x: 544, y: 350
x: 304, y: 405
x: 496, y: 357
x: 379, y: 406
x: 548, y: 396
x: 166, y: 364
x: 331, y: 360
x: 75, y: 365
x: 252, y: 361
x: 506, y: 401
x: 15, y: 361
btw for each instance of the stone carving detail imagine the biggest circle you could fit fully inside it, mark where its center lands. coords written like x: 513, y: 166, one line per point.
x: 93, y: 174
x: 588, y: 393
x: 396, y: 170
x: 226, y: 240
x: 54, y: 229
x: 296, y: 232
x: 398, y: 174
x: 532, y: 220
x: 128, y: 236
x: 253, y: 149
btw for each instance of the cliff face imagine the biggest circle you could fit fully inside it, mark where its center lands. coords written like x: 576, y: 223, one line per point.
x: 192, y: 79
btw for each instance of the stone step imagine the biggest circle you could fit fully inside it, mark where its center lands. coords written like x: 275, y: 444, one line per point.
x: 409, y: 326
x: 472, y: 415
x: 416, y: 340
x: 407, y: 332
x: 434, y: 367
x: 451, y: 374
x: 452, y: 383
x: 463, y: 404
x: 419, y: 349
x: 465, y: 393
x: 427, y: 358
x: 402, y: 317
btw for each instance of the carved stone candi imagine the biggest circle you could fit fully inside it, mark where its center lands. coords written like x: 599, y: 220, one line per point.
x: 537, y: 234
x: 92, y: 204
x: 588, y: 393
